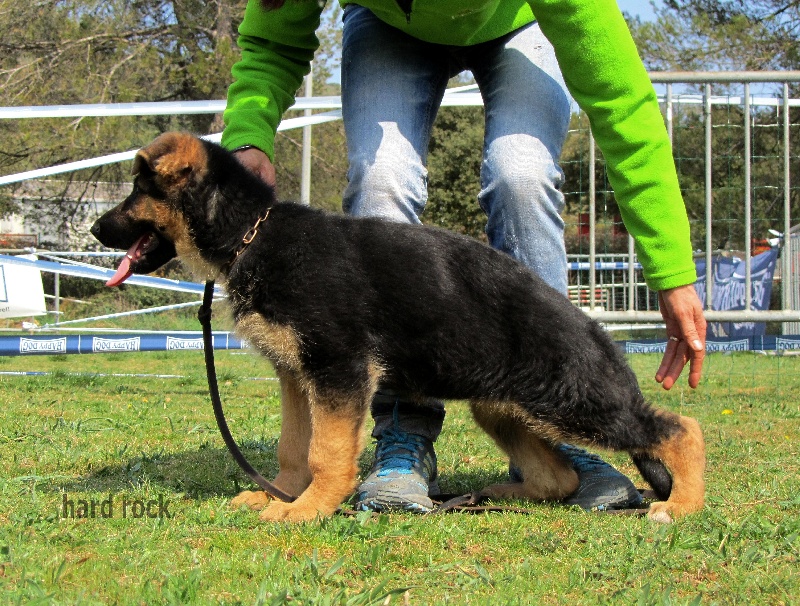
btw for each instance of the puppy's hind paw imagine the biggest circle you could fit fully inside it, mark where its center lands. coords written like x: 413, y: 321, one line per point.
x: 665, y: 512
x: 659, y: 514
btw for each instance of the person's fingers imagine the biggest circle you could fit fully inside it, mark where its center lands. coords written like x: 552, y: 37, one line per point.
x: 696, y: 367
x: 693, y: 331
x: 666, y: 360
x: 686, y: 327
x: 676, y: 367
x: 258, y: 163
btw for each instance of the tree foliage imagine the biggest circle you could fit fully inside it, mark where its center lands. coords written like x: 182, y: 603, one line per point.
x: 690, y: 35
x: 721, y: 34
x: 87, y: 51
x: 728, y: 173
x: 328, y: 145
x: 118, y: 51
x: 454, y: 165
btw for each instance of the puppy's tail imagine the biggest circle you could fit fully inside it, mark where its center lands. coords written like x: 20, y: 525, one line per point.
x: 655, y: 473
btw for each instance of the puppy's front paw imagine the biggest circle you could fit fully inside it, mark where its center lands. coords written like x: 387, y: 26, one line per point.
x: 278, y: 511
x: 255, y: 500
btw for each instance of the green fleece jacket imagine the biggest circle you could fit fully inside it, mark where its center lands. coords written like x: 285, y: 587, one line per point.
x: 601, y: 68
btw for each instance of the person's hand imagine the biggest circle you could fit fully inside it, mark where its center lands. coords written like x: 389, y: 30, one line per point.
x: 257, y: 162
x: 686, y: 329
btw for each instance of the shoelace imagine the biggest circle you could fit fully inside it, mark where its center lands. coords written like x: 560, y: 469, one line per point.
x: 398, y: 450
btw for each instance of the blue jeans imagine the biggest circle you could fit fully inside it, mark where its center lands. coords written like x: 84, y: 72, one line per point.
x: 392, y: 87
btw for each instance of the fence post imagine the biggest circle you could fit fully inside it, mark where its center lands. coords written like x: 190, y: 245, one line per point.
x: 748, y: 203
x: 787, y: 279
x: 708, y: 194
x: 592, y: 210
x: 305, y: 168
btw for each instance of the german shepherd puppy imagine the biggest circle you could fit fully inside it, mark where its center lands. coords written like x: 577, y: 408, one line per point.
x: 342, y: 306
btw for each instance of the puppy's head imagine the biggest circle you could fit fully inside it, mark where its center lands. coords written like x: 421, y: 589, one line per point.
x: 152, y: 222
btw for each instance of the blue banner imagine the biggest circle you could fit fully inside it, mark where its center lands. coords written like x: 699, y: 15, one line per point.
x: 130, y: 343
x: 720, y: 344
x: 113, y: 343
x: 728, y: 292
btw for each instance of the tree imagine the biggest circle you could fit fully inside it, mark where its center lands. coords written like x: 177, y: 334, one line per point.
x: 727, y: 172
x: 610, y: 234
x: 87, y: 51
x: 728, y: 35
x: 328, y: 145
x: 721, y: 34
x: 454, y: 166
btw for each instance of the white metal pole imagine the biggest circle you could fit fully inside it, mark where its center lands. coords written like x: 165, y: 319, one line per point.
x: 305, y: 171
x: 748, y: 203
x: 708, y: 195
x: 592, y: 226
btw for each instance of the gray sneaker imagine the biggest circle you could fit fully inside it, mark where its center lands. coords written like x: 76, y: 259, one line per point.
x: 600, y: 488
x: 403, y: 475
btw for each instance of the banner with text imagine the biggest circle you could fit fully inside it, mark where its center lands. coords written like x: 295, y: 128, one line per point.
x: 113, y: 343
x: 728, y: 292
x: 21, y: 292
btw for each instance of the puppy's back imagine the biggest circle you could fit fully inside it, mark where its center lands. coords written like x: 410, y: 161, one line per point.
x: 445, y: 313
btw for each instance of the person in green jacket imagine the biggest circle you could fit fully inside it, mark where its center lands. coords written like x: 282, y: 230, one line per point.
x: 527, y: 57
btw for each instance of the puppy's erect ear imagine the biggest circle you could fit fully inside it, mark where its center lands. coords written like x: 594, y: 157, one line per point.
x: 176, y: 158
x: 141, y: 164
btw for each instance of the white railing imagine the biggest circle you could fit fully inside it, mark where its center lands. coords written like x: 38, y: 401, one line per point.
x: 468, y: 96
x: 790, y: 310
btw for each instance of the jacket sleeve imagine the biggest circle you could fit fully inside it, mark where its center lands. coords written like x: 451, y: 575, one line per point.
x: 277, y: 49
x: 606, y: 77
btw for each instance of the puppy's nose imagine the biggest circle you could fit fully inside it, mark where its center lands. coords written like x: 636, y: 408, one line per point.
x: 96, y: 229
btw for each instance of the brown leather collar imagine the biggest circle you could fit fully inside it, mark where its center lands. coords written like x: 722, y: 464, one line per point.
x: 248, y: 237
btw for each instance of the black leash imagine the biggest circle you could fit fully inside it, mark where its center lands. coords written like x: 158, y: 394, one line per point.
x: 204, y: 315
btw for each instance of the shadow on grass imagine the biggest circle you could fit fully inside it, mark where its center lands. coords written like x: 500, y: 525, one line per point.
x: 200, y: 474
x: 210, y: 472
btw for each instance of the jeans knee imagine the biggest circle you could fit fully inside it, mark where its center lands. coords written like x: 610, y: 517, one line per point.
x: 521, y: 170
x: 523, y: 206
x: 533, y: 196
x: 382, y: 188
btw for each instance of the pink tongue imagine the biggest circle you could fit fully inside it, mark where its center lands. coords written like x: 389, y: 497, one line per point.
x: 124, y: 270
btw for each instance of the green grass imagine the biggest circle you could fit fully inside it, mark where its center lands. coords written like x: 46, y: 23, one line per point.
x: 94, y: 438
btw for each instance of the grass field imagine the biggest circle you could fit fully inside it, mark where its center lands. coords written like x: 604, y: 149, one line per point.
x: 146, y: 452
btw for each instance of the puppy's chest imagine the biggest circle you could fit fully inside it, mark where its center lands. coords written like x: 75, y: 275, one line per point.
x: 278, y: 342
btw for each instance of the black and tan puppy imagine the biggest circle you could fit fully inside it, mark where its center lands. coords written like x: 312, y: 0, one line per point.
x: 342, y: 306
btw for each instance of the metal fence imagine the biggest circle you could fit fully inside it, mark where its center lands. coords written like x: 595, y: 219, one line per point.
x: 608, y: 285
x: 792, y: 294
x: 618, y: 294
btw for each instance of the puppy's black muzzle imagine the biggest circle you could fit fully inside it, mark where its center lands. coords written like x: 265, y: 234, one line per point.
x: 115, y: 230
